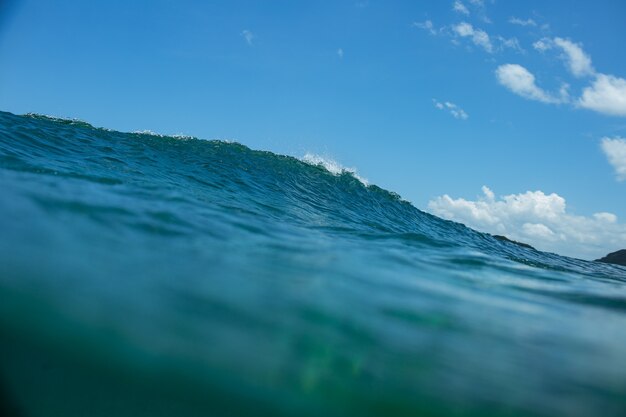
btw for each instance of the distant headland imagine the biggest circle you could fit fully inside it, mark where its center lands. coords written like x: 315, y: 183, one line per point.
x: 618, y: 258
x: 506, y: 239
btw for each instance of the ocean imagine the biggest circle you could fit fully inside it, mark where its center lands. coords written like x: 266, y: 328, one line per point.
x: 149, y: 275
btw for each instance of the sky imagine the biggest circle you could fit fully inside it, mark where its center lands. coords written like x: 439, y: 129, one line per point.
x: 509, y: 117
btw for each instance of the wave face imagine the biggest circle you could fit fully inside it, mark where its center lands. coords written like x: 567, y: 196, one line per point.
x: 153, y: 275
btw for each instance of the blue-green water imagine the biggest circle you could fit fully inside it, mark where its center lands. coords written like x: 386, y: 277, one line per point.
x: 161, y: 276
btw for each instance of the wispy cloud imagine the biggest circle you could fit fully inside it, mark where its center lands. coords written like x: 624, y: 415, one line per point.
x: 479, y: 37
x: 340, y: 53
x: 578, y: 62
x: 456, y: 111
x: 537, y: 218
x: 479, y: 10
x: 427, y: 26
x: 520, y: 22
x: 543, y: 44
x: 511, y: 43
x: 615, y: 151
x: 522, y: 82
x: 459, y: 7
x: 248, y: 36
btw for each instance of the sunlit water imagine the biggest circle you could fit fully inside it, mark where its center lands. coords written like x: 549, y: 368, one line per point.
x: 161, y: 276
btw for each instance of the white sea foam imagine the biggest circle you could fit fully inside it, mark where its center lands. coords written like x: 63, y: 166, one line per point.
x: 332, y: 166
x: 48, y: 116
x: 181, y: 136
x: 148, y: 132
x: 56, y: 118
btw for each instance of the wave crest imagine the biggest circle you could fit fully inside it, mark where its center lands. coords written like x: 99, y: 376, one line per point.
x: 332, y: 166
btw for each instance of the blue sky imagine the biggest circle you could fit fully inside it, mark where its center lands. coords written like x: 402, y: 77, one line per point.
x: 433, y: 99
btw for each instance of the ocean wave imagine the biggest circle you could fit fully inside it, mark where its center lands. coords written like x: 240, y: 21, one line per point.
x: 141, y: 274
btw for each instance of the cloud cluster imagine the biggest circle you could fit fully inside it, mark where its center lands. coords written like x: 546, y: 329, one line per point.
x: 615, y: 151
x: 537, y: 218
x: 605, y: 94
x: 454, y: 110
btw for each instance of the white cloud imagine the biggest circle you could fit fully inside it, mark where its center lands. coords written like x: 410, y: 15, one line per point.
x: 538, y: 230
x: 522, y: 82
x: 460, y: 8
x: 427, y: 26
x: 248, y: 36
x: 454, y: 109
x: 464, y: 29
x: 578, y: 61
x: 488, y: 193
x: 615, y: 151
x: 340, y: 53
x: 607, y: 94
x: 527, y: 22
x: 536, y: 218
x: 606, y: 217
x: 479, y: 37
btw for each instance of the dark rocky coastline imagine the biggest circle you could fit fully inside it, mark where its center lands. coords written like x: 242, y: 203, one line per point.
x: 506, y: 239
x: 618, y: 258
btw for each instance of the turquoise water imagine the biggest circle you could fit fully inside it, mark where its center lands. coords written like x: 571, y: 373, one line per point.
x: 163, y: 276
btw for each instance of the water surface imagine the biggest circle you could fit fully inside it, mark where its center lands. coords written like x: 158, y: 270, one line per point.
x: 153, y: 275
